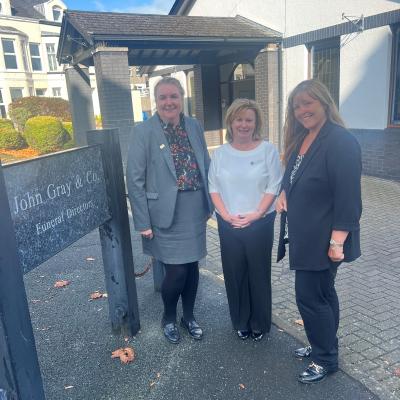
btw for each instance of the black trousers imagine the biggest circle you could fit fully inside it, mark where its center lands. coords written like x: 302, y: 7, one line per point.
x: 246, y: 263
x: 318, y: 305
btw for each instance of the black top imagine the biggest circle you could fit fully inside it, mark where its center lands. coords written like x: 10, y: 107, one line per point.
x: 325, y: 195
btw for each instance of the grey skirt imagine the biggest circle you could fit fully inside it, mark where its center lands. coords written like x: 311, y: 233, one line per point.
x: 185, y: 240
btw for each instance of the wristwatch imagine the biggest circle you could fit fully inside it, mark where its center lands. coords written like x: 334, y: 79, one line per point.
x: 334, y: 243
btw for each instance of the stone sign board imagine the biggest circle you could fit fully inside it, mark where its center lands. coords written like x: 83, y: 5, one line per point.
x: 54, y: 201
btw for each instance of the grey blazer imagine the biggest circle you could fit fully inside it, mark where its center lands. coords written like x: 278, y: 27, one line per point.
x: 151, y: 176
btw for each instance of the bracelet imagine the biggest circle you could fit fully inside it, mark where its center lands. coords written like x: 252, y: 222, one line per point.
x: 334, y: 243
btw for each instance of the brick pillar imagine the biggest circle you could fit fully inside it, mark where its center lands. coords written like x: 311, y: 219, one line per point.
x: 113, y: 86
x: 80, y: 100
x: 207, y: 96
x: 267, y: 90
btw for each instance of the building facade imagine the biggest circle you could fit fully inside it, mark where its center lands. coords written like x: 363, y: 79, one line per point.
x: 29, y: 32
x: 353, y: 46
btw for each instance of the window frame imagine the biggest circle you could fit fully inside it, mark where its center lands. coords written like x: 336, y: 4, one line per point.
x: 394, y: 92
x: 59, y: 10
x: 52, y: 57
x: 318, y: 46
x: 16, y: 88
x: 53, y: 90
x: 9, y: 54
x: 35, y: 57
x: 3, y: 113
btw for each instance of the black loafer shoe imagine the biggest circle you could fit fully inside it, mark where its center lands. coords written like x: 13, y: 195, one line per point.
x: 257, y: 336
x: 313, y: 374
x: 193, y: 329
x: 303, y: 352
x: 171, y: 332
x: 243, y: 334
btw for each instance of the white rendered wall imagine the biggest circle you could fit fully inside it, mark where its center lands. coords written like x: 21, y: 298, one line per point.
x: 365, y: 79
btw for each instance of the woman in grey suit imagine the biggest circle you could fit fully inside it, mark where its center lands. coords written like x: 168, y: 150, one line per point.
x: 167, y: 185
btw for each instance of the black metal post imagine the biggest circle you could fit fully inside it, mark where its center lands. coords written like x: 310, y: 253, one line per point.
x: 116, y: 239
x: 20, y: 376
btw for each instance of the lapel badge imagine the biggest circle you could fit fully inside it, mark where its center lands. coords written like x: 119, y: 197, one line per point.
x: 162, y: 146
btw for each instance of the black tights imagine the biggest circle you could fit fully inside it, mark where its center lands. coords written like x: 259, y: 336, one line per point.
x: 180, y: 280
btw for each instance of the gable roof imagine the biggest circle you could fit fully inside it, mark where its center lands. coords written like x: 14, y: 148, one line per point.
x: 24, y: 8
x: 85, y: 29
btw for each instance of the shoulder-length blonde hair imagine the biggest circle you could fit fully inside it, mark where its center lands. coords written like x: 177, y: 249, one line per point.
x: 293, y: 131
x: 235, y: 109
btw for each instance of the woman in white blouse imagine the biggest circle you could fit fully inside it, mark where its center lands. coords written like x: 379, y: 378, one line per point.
x: 244, y: 180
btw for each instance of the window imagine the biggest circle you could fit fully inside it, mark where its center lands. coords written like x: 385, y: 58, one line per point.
x: 10, y: 58
x: 51, y: 56
x: 56, y: 92
x: 325, y: 64
x: 16, y: 93
x: 2, y: 106
x: 57, y: 13
x: 35, y: 57
x: 40, y: 92
x: 395, y: 96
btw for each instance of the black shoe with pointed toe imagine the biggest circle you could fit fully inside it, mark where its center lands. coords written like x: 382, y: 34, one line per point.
x: 303, y: 352
x: 171, y: 332
x: 243, y: 335
x: 257, y: 336
x: 193, y: 328
x: 313, y: 374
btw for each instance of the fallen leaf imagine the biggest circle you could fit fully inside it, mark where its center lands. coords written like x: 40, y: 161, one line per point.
x: 34, y: 301
x: 96, y: 295
x: 158, y: 374
x: 126, y: 355
x: 299, y: 322
x: 280, y: 330
x: 397, y: 372
x: 60, y: 284
x: 90, y: 258
x: 68, y: 387
x: 152, y: 384
x: 241, y: 386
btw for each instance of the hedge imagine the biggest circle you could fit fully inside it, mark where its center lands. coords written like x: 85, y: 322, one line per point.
x: 45, y: 134
x: 22, y: 109
x: 10, y: 138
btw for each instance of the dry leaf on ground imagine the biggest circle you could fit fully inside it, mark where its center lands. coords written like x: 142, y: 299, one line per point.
x: 397, y: 372
x: 90, y: 258
x: 97, y: 295
x: 241, y: 386
x: 60, y: 284
x: 299, y: 322
x: 126, y: 355
x: 68, y: 387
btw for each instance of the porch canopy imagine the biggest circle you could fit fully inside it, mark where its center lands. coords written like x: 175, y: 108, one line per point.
x: 162, y: 39
x: 112, y: 42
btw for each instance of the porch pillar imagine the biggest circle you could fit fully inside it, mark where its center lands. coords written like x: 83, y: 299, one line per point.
x: 80, y: 100
x: 268, y: 89
x: 207, y: 96
x: 113, y: 85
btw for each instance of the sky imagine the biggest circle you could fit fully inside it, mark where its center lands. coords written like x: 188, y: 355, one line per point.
x: 129, y: 6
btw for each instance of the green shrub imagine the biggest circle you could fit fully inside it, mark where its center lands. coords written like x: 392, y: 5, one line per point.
x: 71, y: 141
x: 10, y: 139
x: 22, y: 109
x: 45, y: 134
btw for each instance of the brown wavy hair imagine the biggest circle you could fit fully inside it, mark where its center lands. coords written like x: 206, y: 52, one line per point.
x: 293, y: 131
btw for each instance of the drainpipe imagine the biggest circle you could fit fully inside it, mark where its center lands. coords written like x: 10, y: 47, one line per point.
x: 280, y: 96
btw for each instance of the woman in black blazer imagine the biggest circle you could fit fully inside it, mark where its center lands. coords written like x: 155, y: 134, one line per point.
x: 321, y: 207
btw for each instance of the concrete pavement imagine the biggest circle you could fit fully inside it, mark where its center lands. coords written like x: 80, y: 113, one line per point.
x: 75, y: 344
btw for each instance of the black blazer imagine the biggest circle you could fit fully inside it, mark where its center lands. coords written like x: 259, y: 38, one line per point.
x: 325, y: 195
